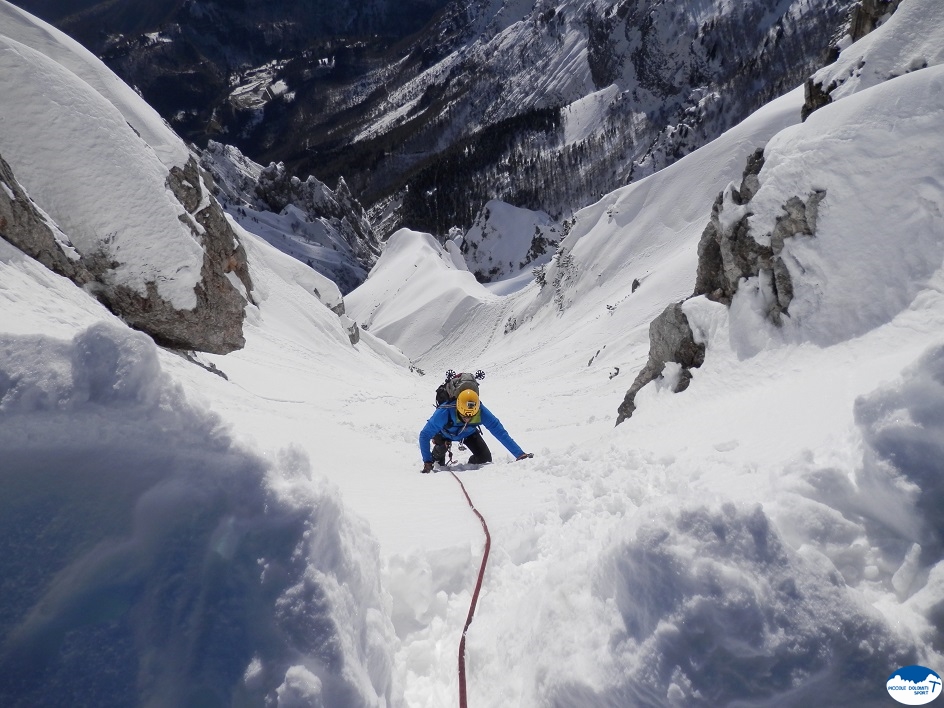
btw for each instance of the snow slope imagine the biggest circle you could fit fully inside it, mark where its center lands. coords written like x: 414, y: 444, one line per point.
x: 771, y: 536
x: 907, y: 40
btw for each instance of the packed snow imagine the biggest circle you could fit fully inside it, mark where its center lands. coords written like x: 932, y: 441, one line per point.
x: 253, y: 528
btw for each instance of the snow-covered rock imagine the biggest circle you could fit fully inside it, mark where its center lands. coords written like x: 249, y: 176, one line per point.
x: 122, y: 188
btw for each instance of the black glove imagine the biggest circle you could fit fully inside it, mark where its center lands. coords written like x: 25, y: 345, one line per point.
x: 427, y: 467
x: 524, y: 456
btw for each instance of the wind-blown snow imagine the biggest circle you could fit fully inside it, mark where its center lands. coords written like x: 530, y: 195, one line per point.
x: 771, y: 536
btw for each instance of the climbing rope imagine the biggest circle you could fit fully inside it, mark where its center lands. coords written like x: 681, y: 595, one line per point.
x: 475, y: 595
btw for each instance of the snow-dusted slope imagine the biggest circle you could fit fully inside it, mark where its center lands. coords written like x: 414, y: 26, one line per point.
x: 504, y: 240
x: 416, y: 274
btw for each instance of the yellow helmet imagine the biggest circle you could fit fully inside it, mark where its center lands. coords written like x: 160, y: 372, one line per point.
x: 467, y: 403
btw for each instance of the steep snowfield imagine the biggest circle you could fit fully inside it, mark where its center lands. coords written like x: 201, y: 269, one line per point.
x: 771, y: 536
x: 506, y: 240
x: 32, y: 32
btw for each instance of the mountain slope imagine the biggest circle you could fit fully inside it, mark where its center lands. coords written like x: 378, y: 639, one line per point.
x: 179, y: 565
x: 488, y: 102
x: 328, y: 230
x: 543, y: 106
x: 812, y: 438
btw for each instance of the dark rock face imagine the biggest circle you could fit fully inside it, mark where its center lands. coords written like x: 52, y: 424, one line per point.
x: 865, y: 16
x: 815, y: 97
x: 670, y: 340
x: 214, y: 325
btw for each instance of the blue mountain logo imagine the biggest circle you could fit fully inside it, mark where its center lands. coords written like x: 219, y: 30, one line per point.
x: 914, y: 685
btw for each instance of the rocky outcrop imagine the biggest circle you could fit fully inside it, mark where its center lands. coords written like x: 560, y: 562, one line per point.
x: 728, y: 254
x: 213, y: 325
x: 725, y: 255
x: 351, y: 327
x: 326, y: 229
x: 814, y: 97
x: 865, y: 16
x: 670, y: 340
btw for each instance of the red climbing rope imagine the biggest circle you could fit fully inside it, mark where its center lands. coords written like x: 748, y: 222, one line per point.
x: 475, y: 595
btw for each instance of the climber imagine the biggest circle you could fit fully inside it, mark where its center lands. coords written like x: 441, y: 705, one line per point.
x: 460, y: 420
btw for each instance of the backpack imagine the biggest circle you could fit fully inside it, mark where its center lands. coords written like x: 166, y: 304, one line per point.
x: 456, y: 383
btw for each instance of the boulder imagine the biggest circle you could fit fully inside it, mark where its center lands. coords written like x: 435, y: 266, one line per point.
x: 670, y: 339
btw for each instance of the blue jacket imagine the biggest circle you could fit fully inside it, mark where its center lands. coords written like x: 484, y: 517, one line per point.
x: 446, y: 422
